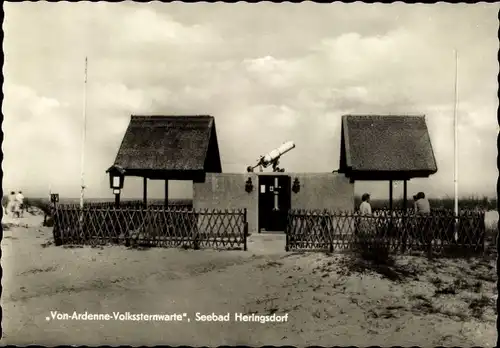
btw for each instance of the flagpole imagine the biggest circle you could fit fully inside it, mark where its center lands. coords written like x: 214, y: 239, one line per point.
x: 455, y: 126
x: 84, y: 134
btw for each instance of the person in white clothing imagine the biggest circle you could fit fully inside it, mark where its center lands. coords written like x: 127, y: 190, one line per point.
x: 365, y: 210
x: 20, y: 204
x: 11, y: 204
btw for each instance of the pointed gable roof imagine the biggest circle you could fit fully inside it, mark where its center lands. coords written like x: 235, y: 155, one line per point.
x: 381, y: 147
x: 170, y: 147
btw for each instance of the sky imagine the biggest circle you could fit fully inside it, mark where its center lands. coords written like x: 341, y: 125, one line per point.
x: 267, y: 72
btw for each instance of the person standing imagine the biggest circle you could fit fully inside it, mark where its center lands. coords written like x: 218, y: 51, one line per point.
x: 422, y: 205
x: 20, y: 204
x: 365, y: 208
x: 11, y: 202
x: 423, y: 211
x: 415, y: 199
x: 409, y: 232
x: 365, y: 223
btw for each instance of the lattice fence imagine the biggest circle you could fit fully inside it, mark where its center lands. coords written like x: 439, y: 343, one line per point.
x: 136, y: 204
x: 400, y: 232
x: 152, y: 226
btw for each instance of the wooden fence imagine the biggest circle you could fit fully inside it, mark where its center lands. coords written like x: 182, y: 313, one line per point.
x: 136, y: 204
x: 151, y: 226
x: 439, y: 232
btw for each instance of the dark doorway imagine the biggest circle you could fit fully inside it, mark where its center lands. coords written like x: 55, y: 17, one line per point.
x: 274, y: 202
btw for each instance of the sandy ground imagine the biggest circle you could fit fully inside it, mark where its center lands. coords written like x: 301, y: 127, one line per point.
x: 328, y: 298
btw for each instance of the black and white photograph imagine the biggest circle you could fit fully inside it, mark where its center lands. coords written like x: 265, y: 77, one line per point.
x: 287, y: 174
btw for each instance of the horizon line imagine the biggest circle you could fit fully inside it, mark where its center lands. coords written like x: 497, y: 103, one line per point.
x: 478, y: 197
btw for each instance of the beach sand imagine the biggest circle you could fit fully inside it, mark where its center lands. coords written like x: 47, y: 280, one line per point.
x: 328, y: 303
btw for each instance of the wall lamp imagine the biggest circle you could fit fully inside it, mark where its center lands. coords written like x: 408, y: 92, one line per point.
x: 54, y: 197
x: 296, y: 185
x: 249, y: 185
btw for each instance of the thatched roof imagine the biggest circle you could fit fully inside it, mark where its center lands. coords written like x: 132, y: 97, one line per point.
x: 375, y: 147
x: 169, y: 147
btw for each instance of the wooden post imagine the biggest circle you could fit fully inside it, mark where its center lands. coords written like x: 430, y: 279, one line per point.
x: 403, y: 231
x: 390, y: 208
x: 117, y: 200
x: 405, y: 196
x: 245, y: 229
x: 390, y: 196
x: 145, y: 192
x: 166, y: 193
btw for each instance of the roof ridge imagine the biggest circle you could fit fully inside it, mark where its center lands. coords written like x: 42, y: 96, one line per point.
x: 394, y: 147
x: 171, y: 116
x: 165, y: 143
x: 383, y: 115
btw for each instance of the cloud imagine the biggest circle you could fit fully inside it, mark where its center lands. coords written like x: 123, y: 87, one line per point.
x: 109, y: 101
x: 39, y: 142
x: 145, y: 26
x: 268, y: 74
x: 275, y: 73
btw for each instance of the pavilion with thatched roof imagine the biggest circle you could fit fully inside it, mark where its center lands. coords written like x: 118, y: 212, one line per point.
x: 388, y: 148
x: 168, y: 148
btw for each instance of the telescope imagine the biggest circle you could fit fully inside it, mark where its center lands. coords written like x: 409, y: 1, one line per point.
x: 272, y: 158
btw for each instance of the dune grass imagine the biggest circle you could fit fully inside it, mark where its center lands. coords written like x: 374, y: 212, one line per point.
x: 483, y: 203
x: 466, y: 203
x: 44, y: 203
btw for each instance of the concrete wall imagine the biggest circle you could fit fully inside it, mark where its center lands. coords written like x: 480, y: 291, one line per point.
x: 227, y: 191
x: 331, y: 191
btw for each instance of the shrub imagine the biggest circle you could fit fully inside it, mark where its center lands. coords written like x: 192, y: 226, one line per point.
x: 370, y: 246
x: 377, y: 253
x: 30, y: 204
x: 48, y: 221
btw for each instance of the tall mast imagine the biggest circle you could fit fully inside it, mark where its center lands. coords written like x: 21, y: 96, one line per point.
x: 84, y: 134
x: 455, y: 126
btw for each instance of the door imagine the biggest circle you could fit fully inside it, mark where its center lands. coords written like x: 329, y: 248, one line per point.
x: 274, y: 202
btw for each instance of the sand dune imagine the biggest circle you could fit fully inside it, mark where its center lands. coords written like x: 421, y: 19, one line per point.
x: 330, y: 300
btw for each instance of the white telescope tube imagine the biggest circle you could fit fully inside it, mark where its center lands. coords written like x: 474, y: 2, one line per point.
x: 276, y: 153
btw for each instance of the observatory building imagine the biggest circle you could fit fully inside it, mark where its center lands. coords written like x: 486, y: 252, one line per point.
x: 186, y: 148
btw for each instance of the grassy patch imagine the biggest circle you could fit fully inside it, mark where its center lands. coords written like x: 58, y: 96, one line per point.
x: 375, y: 257
x: 478, y: 306
x: 472, y: 202
x: 423, y: 305
x: 7, y: 226
x: 10, y: 237
x: 270, y: 264
x: 458, y: 285
x: 39, y: 270
x: 386, y: 267
x: 437, y: 282
x: 32, y: 205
